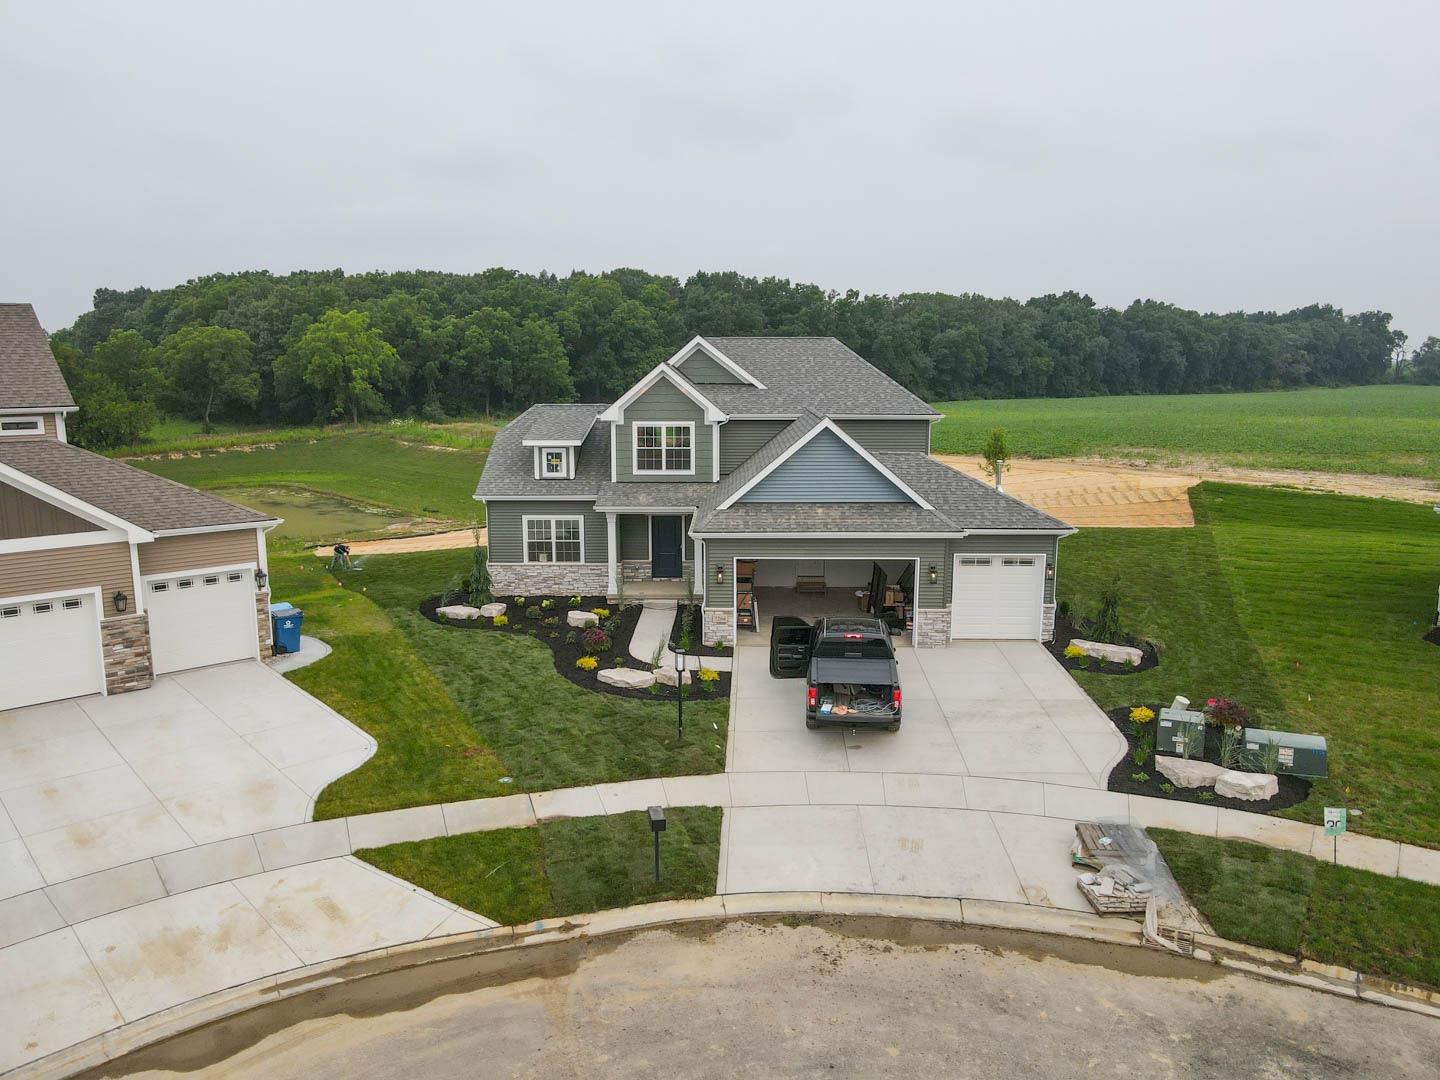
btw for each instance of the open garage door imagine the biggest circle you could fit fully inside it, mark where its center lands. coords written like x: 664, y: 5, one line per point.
x: 998, y: 596
x: 202, y: 617
x: 51, y: 649
x: 813, y: 587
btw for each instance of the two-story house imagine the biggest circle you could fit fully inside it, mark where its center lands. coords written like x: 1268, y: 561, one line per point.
x: 788, y: 466
x: 109, y: 575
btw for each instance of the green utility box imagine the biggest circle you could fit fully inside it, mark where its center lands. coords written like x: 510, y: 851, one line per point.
x: 1297, y: 755
x: 1178, y: 724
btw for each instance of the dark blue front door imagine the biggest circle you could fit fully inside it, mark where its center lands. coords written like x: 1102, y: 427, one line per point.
x: 665, y: 557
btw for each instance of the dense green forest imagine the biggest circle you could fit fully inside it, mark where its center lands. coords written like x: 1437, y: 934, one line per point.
x: 330, y: 345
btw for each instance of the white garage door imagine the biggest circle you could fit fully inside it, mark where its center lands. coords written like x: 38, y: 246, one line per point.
x: 49, y: 649
x: 199, y: 618
x: 998, y: 596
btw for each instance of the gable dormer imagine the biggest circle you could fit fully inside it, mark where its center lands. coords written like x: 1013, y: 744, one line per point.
x: 664, y: 429
x: 704, y: 364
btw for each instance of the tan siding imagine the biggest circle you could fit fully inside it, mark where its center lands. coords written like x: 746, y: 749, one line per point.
x: 47, y: 423
x: 198, y: 551
x: 26, y: 573
x: 23, y: 515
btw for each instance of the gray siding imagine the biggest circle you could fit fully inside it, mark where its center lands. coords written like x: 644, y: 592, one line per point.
x: 507, y: 532
x: 825, y: 470
x: 723, y: 551
x: 884, y: 436
x: 700, y: 369
x: 634, y: 530
x: 1011, y: 544
x: 741, y: 438
x: 663, y: 402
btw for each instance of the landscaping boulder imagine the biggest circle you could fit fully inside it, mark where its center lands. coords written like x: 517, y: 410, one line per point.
x: 1119, y: 654
x: 489, y: 611
x: 458, y: 611
x: 668, y: 676
x: 582, y: 619
x: 627, y: 678
x: 1252, y: 786
x: 1192, y: 773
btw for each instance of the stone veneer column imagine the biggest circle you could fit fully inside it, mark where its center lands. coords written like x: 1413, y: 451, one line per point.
x: 125, y: 648
x: 1047, y: 623
x: 719, y: 626
x: 932, y: 628
x: 263, y: 626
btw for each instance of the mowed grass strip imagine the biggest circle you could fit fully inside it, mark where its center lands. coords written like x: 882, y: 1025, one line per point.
x: 370, y: 467
x: 1308, y: 608
x: 1391, y: 430
x: 1309, y: 908
x: 550, y: 732
x: 428, y: 750
x: 565, y: 867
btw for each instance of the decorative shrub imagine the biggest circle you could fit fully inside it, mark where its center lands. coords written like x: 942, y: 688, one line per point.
x: 600, y: 612
x: 1107, y: 618
x: 587, y: 663
x: 548, y: 603
x: 500, y: 620
x: 1140, y: 777
x: 1073, y: 652
x: 1168, y: 788
x: 572, y: 637
x: 534, y: 611
x: 575, y: 601
x: 1141, y: 715
x: 553, y: 620
x: 619, y: 661
x: 594, y: 640
x: 1225, y: 712
x: 1142, y: 752
x: 519, y: 601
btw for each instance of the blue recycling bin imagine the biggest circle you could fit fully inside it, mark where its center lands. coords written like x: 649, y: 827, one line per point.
x: 285, y: 620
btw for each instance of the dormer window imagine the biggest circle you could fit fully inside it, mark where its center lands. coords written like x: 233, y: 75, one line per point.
x: 554, y: 462
x: 22, y: 425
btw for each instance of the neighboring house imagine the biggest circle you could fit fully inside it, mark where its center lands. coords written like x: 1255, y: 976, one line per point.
x: 789, y: 461
x: 109, y: 575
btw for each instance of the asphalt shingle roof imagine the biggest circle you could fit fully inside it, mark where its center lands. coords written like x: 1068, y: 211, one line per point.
x: 838, y: 518
x: 134, y: 495
x: 652, y: 494
x: 963, y: 500
x: 29, y: 376
x: 563, y: 423
x: 510, y: 465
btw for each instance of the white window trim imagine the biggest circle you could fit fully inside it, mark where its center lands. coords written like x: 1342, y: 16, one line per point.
x: 700, y: 344
x: 525, y: 520
x: 36, y: 419
x: 567, y: 462
x: 635, y: 427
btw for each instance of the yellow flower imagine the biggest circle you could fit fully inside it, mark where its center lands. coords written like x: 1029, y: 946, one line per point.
x: 1073, y: 652
x: 1141, y: 715
x: 500, y: 620
x: 587, y: 663
x: 600, y: 612
x: 708, y: 675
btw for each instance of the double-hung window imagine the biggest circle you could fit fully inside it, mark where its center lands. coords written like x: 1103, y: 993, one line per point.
x: 554, y: 461
x: 664, y: 448
x: 557, y: 539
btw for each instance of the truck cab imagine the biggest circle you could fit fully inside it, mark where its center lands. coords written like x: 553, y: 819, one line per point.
x: 852, y: 679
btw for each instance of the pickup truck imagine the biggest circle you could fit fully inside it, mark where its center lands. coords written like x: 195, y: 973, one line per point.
x: 853, y: 679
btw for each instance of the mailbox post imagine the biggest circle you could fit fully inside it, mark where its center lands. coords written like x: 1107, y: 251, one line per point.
x: 657, y: 826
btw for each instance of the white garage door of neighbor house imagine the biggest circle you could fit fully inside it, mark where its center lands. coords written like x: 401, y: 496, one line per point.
x: 51, y: 650
x: 998, y: 596
x: 201, y: 618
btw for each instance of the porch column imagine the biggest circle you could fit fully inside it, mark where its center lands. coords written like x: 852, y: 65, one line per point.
x: 612, y: 548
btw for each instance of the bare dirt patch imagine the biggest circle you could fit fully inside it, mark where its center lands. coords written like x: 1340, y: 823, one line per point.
x: 402, y: 545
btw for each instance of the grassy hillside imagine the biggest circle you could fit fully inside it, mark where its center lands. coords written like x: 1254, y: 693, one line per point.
x: 1391, y: 430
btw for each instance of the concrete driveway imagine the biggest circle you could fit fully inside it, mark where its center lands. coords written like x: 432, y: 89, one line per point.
x: 100, y: 782
x: 985, y: 708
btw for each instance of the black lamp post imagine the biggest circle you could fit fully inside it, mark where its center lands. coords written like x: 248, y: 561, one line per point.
x: 680, y: 662
x: 657, y: 826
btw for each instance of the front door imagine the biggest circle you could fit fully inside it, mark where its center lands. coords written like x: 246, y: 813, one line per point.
x: 666, y: 560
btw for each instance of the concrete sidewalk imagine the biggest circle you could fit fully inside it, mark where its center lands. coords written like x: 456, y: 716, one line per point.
x: 652, y: 632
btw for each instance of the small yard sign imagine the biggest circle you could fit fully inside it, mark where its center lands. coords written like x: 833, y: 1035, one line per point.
x: 1334, y: 820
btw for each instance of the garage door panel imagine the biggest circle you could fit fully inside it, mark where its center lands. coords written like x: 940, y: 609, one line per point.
x: 201, y: 618
x: 50, y: 650
x: 997, y: 596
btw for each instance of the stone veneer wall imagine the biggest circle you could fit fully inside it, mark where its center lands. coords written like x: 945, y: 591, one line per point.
x: 549, y: 579
x: 639, y: 570
x: 932, y: 628
x: 262, y: 624
x: 125, y: 648
x: 719, y: 626
x: 1047, y: 623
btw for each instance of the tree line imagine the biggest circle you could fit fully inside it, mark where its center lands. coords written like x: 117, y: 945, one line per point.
x: 326, y: 345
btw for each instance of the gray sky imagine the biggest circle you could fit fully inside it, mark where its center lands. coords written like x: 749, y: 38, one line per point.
x: 1248, y: 155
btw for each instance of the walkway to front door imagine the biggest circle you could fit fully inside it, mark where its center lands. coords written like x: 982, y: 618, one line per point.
x: 666, y: 559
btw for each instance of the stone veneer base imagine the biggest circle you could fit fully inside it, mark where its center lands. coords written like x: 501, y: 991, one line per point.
x: 932, y: 628
x: 263, y: 626
x: 719, y: 626
x: 1047, y: 623
x: 549, y: 579
x: 125, y: 649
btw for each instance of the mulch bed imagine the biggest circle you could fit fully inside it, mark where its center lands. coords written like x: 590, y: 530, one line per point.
x: 566, y: 653
x: 1066, y: 631
x: 1433, y: 636
x: 697, y: 632
x: 1293, y: 789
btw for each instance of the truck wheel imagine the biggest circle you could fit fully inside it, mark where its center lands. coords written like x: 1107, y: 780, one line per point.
x: 811, y: 723
x: 893, y: 727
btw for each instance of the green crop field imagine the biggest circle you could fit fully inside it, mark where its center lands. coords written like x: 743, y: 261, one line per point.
x: 1389, y: 430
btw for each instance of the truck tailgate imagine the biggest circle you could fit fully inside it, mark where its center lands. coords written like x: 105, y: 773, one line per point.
x: 844, y: 670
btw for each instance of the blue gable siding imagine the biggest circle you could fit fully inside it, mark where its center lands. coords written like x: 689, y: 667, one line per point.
x: 825, y: 470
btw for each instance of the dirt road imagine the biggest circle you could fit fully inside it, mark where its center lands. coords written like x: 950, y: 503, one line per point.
x: 845, y: 998
x: 441, y: 541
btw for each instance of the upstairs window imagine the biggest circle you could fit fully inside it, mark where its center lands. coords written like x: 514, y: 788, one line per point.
x: 554, y: 461
x: 21, y: 425
x: 664, y: 448
x: 557, y: 539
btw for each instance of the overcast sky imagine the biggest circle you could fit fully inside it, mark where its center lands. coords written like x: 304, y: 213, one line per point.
x: 1249, y: 155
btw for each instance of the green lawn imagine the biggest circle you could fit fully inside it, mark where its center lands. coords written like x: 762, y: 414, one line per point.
x: 370, y: 467
x: 564, y: 867
x: 1310, y: 609
x: 1393, y: 430
x: 178, y: 435
x: 549, y: 732
x: 1308, y: 908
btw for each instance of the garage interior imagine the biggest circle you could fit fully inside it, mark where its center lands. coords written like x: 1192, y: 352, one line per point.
x: 810, y: 588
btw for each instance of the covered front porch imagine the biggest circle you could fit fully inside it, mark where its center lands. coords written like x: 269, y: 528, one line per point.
x: 650, y: 554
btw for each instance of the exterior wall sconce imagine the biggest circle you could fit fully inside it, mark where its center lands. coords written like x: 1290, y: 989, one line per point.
x: 261, y: 579
x: 1049, y: 571
x: 719, y: 574
x: 121, y: 602
x: 934, y: 574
